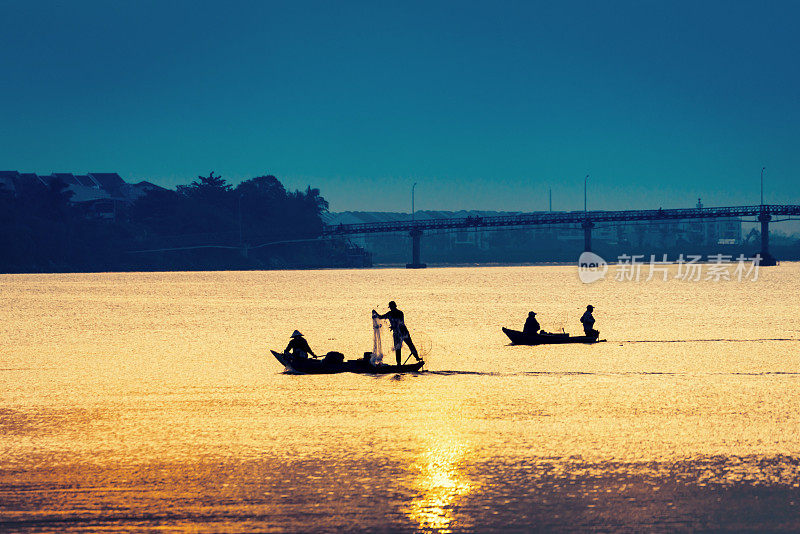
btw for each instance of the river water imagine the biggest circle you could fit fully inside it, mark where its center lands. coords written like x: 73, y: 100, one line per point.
x: 150, y: 401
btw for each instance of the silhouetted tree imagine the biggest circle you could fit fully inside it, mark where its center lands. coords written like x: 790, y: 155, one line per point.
x: 304, y: 212
x: 163, y: 212
x: 315, y: 200
x: 268, y: 211
x: 266, y: 188
x: 41, y: 230
x: 213, y: 190
x: 262, y: 205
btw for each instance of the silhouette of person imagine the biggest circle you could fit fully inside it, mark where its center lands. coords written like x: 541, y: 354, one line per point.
x: 531, y: 325
x: 399, y: 331
x: 587, y: 319
x: 298, y: 346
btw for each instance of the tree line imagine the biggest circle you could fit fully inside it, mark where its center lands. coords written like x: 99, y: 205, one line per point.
x: 206, y: 224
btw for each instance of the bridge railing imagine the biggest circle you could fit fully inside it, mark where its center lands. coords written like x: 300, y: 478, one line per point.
x: 571, y: 217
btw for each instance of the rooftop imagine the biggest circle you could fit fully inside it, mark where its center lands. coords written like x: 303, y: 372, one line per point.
x: 85, y: 187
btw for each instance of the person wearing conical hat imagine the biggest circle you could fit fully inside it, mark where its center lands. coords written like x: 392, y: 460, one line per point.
x: 298, y: 346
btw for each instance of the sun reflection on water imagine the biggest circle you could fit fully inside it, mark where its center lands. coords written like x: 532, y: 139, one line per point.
x: 439, y: 483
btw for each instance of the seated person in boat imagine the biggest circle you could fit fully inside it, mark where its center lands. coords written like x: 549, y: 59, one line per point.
x: 298, y: 346
x: 399, y: 331
x: 531, y: 327
x: 587, y: 319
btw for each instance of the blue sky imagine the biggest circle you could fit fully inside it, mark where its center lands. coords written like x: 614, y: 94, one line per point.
x: 486, y: 105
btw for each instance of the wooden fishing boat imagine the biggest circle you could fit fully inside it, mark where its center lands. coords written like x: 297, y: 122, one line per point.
x: 313, y: 366
x: 520, y: 338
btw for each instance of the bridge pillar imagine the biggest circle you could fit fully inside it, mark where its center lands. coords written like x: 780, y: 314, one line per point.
x: 415, y: 234
x: 587, y: 235
x: 766, y: 258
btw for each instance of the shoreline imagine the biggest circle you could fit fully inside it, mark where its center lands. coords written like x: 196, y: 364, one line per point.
x: 377, y: 266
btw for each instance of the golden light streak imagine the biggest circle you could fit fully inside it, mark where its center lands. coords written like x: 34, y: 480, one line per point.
x: 440, y: 484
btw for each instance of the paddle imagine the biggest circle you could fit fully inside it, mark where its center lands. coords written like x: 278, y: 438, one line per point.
x: 409, y: 357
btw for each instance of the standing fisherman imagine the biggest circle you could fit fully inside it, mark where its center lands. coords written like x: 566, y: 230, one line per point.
x: 587, y: 319
x: 399, y: 331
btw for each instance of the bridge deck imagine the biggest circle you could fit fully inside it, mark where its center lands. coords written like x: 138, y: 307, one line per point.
x: 572, y: 217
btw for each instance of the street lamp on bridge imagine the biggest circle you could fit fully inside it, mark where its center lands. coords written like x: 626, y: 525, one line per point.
x: 587, y: 224
x: 585, y: 182
x: 415, y: 234
x: 412, y: 200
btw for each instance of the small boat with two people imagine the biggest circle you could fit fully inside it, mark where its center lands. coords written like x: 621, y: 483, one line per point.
x: 533, y: 335
x: 334, y: 362
x: 296, y: 355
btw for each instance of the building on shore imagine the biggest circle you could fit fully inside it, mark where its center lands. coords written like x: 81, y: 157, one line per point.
x: 98, y: 194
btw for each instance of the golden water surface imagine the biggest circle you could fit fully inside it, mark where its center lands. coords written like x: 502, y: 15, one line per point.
x: 150, y: 401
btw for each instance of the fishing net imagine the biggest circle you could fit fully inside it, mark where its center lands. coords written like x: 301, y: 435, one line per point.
x: 424, y: 345
x: 381, y: 337
x: 383, y: 343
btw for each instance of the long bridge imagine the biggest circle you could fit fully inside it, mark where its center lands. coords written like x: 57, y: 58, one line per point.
x: 764, y: 213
